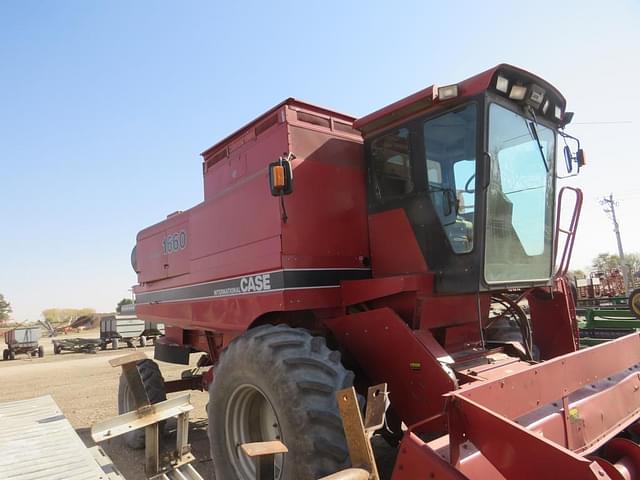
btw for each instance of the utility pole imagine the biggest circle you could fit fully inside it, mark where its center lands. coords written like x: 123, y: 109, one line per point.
x: 610, y: 208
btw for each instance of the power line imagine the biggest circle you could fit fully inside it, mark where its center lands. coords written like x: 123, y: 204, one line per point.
x: 628, y: 196
x: 613, y: 122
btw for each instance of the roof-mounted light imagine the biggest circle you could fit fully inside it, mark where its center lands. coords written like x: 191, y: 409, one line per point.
x: 518, y: 92
x: 545, y: 106
x: 502, y: 84
x: 536, y: 95
x: 447, y: 92
x: 557, y: 112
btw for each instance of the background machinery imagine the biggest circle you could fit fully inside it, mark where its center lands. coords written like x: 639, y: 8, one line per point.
x: 413, y: 247
x: 22, y: 340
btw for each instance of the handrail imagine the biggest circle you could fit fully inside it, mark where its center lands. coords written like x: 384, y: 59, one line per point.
x: 565, y: 260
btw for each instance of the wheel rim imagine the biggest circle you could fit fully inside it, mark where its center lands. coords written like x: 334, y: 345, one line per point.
x: 250, y: 417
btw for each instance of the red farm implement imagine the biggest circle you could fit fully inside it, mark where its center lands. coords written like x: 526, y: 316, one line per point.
x: 422, y: 246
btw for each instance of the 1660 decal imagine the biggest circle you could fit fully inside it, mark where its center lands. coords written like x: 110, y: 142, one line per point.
x: 174, y: 242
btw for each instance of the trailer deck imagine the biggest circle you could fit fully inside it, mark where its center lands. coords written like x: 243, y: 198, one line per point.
x: 38, y: 443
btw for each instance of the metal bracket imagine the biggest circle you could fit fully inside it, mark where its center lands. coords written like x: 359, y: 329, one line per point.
x: 377, y: 404
x: 116, y: 426
x: 357, y: 434
x: 149, y: 416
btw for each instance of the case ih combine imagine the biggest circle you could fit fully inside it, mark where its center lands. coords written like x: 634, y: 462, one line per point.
x: 415, y: 246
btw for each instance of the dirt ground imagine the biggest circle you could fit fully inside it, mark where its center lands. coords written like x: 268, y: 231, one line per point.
x: 85, y: 387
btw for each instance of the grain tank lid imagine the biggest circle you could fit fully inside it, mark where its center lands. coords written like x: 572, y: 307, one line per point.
x: 266, y: 119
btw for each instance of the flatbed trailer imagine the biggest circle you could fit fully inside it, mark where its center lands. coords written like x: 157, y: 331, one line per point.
x: 86, y: 345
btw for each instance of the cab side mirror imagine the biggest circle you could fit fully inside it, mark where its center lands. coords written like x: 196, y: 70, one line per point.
x: 281, y: 176
x: 568, y: 158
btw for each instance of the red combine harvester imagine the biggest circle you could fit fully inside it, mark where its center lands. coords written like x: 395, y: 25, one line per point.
x: 415, y: 246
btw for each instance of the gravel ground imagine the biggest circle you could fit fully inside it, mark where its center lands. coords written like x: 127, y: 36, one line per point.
x: 85, y: 387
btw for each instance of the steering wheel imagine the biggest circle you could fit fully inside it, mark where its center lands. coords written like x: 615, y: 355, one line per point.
x: 466, y: 185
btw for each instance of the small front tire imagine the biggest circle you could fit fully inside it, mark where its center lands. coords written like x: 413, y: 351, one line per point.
x: 634, y: 302
x: 156, y: 392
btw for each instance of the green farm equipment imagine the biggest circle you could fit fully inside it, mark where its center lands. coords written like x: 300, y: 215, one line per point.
x: 601, y: 325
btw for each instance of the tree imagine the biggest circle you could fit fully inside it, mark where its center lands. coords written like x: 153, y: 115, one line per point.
x: 633, y: 260
x: 5, y: 309
x: 124, y: 301
x: 605, y: 262
x: 575, y: 274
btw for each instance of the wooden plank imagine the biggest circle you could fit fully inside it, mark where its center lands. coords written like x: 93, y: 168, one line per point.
x: 258, y: 449
x: 349, y: 474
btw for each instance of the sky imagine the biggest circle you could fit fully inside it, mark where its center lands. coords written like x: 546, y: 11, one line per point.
x: 106, y: 105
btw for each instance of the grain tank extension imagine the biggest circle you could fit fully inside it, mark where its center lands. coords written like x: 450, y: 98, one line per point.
x: 421, y: 246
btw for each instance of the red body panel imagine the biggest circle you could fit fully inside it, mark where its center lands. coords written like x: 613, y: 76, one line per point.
x: 561, y: 335
x: 416, y: 381
x: 393, y: 228
x: 239, y: 229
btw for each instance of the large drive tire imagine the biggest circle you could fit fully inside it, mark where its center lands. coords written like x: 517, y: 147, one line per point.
x: 634, y: 302
x: 143, y: 341
x: 278, y: 382
x: 12, y: 355
x: 5, y: 354
x: 156, y: 391
x: 114, y: 343
x: 40, y: 351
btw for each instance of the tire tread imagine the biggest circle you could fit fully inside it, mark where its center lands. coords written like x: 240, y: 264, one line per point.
x: 310, y: 373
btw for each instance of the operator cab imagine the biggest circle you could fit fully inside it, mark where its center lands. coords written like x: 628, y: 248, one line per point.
x: 472, y: 166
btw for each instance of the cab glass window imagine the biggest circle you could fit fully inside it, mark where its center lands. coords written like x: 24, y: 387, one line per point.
x: 520, y: 199
x: 391, y: 157
x: 450, y: 147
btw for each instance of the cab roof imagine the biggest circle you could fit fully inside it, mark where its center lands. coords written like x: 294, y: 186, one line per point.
x: 420, y: 101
